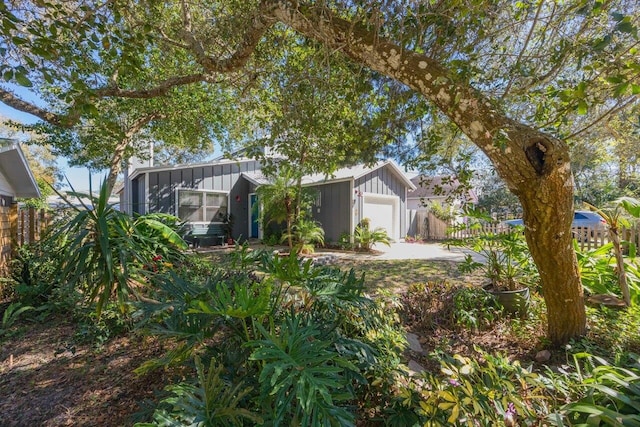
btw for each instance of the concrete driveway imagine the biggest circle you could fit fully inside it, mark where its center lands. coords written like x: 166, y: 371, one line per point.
x: 402, y: 250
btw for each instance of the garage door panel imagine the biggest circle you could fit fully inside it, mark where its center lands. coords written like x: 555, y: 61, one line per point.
x: 382, y: 212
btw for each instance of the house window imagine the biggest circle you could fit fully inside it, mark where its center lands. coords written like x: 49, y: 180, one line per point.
x: 202, y: 206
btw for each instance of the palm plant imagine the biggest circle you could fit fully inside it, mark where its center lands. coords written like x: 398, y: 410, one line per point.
x: 102, y: 250
x: 277, y: 202
x: 365, y: 237
x: 305, y: 233
x: 283, y: 200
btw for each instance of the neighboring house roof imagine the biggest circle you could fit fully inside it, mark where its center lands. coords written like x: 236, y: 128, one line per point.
x: 434, y: 187
x: 56, y: 202
x: 16, y: 170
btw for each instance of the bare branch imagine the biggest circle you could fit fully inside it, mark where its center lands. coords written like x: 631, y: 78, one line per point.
x: 619, y: 106
x: 524, y: 48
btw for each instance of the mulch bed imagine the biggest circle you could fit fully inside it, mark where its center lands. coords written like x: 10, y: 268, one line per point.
x: 47, y: 380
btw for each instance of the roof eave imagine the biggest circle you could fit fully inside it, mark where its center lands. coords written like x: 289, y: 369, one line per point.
x: 15, y: 165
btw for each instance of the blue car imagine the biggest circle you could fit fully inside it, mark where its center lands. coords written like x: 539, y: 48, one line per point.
x: 581, y: 219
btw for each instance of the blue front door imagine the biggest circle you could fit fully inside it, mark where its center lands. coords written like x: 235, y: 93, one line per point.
x: 253, y: 209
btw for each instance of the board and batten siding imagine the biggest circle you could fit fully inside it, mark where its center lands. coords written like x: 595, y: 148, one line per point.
x: 384, y: 181
x: 334, y: 209
x: 219, y: 177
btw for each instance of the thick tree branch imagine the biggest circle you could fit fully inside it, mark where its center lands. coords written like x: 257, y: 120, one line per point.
x: 118, y: 153
x: 8, y: 98
x: 67, y: 121
x: 160, y: 89
x: 520, y: 153
x: 260, y: 23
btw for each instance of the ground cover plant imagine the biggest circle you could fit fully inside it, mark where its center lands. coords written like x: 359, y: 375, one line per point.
x: 251, y: 337
x: 303, y: 343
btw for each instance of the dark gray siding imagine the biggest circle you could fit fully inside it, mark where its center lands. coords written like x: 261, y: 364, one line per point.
x: 334, y: 209
x: 385, y: 181
x: 137, y: 195
x: 223, y: 177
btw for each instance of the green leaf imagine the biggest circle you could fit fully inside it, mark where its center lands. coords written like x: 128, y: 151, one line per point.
x: 582, y: 107
x: 600, y: 44
x: 620, y: 89
x: 625, y: 27
x: 23, y: 80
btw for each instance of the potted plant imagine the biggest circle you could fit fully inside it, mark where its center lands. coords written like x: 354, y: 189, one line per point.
x: 504, y: 260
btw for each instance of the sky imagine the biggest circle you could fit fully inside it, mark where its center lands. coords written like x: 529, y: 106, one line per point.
x: 77, y: 176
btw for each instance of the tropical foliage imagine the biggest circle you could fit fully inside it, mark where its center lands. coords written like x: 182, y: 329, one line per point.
x: 104, y: 253
x: 300, y: 344
x: 365, y: 238
x: 305, y: 234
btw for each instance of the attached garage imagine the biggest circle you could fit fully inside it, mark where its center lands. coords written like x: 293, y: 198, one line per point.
x: 383, y: 211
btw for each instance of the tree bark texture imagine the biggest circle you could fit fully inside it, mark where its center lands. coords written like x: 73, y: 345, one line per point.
x: 535, y: 166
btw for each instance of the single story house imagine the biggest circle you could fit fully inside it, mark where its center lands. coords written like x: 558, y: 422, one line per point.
x: 205, y: 193
x: 16, y: 180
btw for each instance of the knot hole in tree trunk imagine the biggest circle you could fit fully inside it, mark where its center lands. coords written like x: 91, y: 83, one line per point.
x: 536, y: 152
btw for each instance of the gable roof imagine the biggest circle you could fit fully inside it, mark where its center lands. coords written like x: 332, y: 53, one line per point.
x: 160, y: 168
x: 430, y: 187
x: 359, y: 171
x: 342, y: 174
x: 16, y: 170
x: 258, y: 178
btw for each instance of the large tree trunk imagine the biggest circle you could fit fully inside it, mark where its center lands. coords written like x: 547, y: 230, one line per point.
x: 534, y: 165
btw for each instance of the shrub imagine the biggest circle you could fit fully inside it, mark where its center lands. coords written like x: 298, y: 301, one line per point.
x: 305, y: 341
x: 487, y: 391
x: 364, y: 237
x: 344, y: 241
x: 475, y: 308
x: 609, y: 395
x: 209, y: 401
x: 102, y: 250
x: 305, y: 234
x: 428, y: 305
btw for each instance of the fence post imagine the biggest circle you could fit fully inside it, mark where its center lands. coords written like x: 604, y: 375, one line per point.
x: 21, y: 226
x: 42, y: 222
x: 32, y: 225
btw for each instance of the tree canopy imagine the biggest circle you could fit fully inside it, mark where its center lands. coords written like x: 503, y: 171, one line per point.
x: 519, y: 79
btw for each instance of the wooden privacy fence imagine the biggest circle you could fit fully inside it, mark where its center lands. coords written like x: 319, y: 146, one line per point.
x: 427, y: 226
x: 17, y: 227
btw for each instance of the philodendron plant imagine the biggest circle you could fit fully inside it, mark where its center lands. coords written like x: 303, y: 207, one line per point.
x: 502, y: 257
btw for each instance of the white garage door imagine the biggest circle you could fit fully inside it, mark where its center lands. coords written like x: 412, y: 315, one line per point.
x: 383, y: 211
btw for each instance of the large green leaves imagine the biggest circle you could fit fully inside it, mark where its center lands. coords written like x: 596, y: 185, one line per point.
x: 301, y: 378
x: 103, y: 250
x: 210, y: 402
